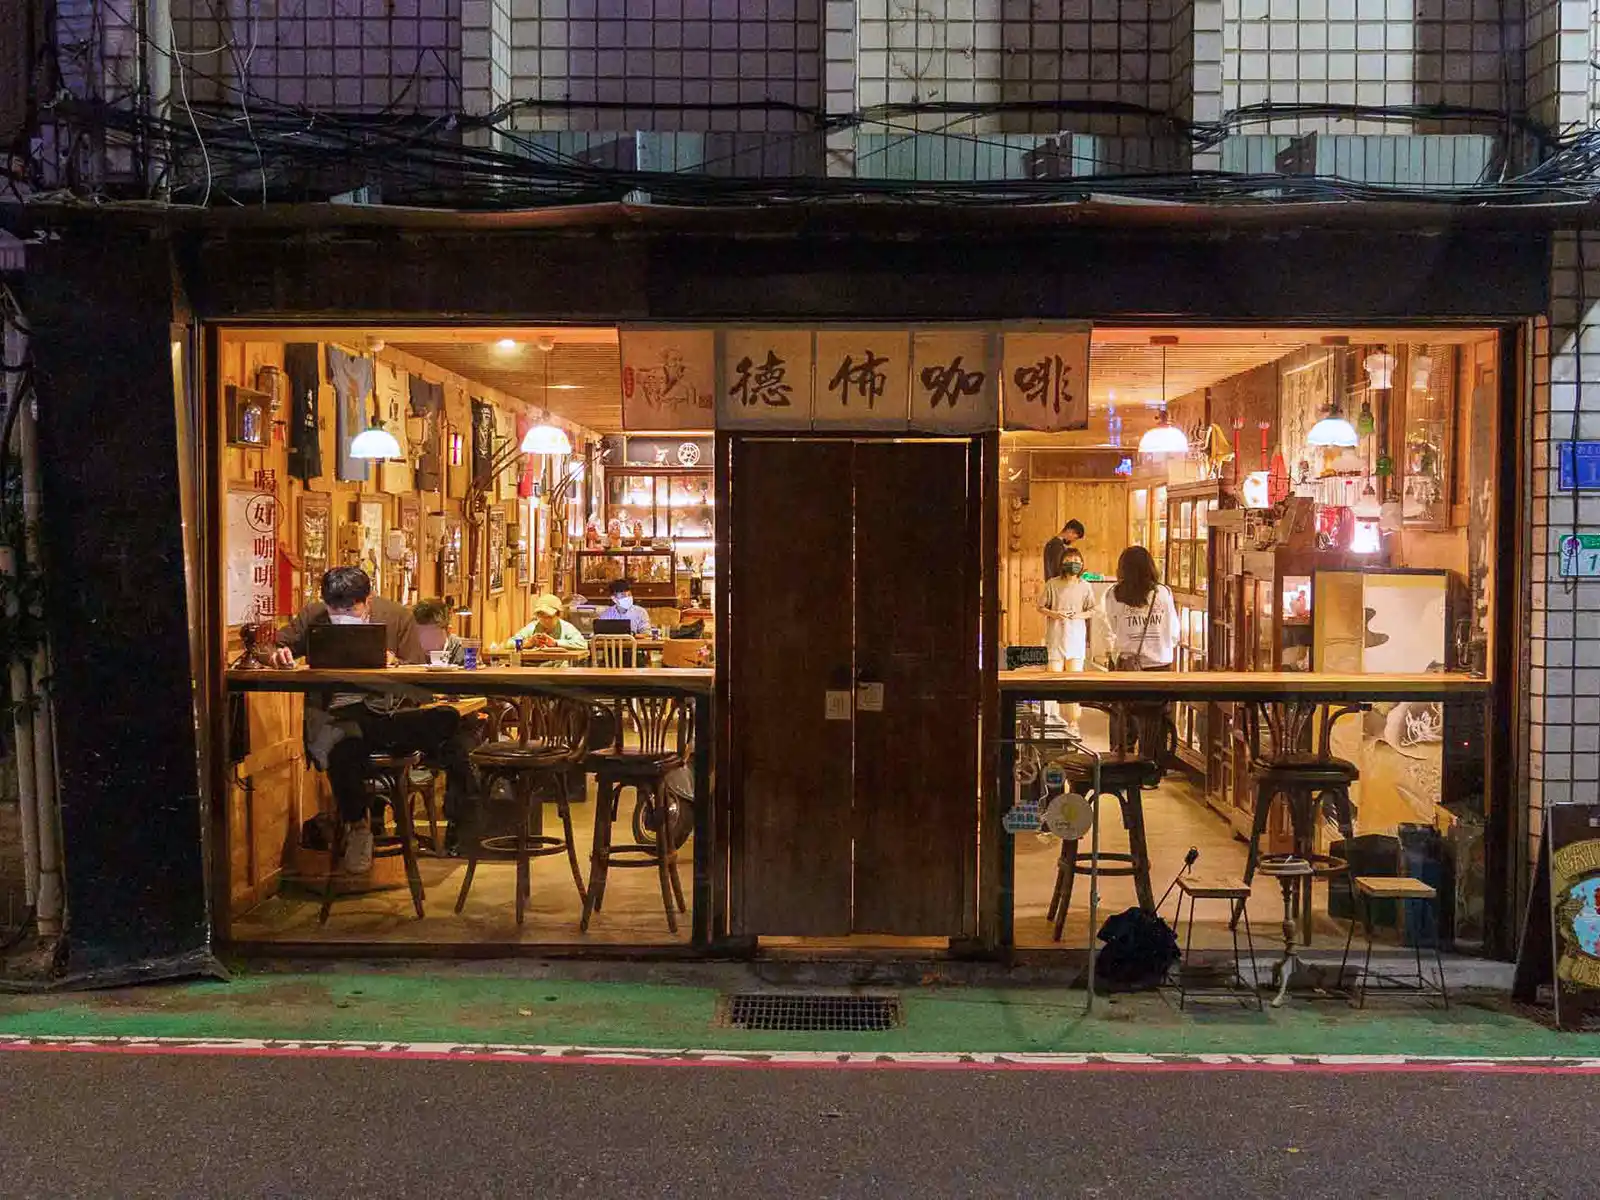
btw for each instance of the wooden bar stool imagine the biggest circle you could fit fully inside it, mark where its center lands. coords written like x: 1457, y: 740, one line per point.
x: 389, y: 780
x: 661, y: 730
x: 1367, y: 888
x: 1195, y: 888
x: 553, y: 741
x: 1124, y: 778
x: 1311, y: 782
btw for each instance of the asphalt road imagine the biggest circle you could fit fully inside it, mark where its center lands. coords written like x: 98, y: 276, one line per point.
x: 92, y: 1125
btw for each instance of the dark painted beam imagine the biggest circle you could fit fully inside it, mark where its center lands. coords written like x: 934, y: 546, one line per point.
x: 101, y: 307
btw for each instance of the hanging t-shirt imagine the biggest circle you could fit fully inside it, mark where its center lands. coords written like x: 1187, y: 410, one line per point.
x: 427, y: 402
x: 305, y: 423
x: 352, y: 384
x: 1148, y: 630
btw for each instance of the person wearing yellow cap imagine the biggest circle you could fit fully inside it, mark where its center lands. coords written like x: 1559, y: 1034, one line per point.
x: 547, y: 629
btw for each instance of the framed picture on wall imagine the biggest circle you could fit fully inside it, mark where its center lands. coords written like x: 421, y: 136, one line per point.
x: 450, y: 555
x: 314, y: 535
x: 497, y: 550
x: 520, y: 540
x: 408, y: 520
x: 370, y: 520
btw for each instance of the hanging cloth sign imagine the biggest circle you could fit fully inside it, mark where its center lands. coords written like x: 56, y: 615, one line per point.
x: 483, y: 431
x: 667, y: 378
x: 862, y: 379
x: 952, y: 381
x: 766, y: 379
x: 1045, y: 380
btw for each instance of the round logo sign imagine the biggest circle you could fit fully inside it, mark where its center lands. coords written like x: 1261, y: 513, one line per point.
x: 1069, y: 816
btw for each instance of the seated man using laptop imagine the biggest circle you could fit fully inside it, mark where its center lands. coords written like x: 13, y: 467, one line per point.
x: 341, y: 729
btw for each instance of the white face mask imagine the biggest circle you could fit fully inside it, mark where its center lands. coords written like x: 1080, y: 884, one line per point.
x: 623, y: 602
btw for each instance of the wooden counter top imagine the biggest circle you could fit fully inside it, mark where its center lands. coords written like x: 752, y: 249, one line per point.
x: 500, y: 681
x: 1240, y: 685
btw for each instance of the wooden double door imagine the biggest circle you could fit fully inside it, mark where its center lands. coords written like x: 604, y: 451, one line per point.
x: 853, y: 586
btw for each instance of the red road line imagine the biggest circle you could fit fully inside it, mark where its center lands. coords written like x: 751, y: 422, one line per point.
x: 1489, y: 1066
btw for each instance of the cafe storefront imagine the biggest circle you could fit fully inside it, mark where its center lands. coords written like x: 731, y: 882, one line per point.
x: 827, y: 464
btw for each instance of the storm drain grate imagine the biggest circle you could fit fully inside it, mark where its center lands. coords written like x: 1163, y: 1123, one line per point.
x: 807, y: 1013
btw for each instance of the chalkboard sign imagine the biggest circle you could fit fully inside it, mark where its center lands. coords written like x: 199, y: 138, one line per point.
x: 1026, y: 656
x: 1561, y: 943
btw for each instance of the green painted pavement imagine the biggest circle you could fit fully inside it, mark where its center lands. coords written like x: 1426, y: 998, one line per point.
x: 459, y: 1006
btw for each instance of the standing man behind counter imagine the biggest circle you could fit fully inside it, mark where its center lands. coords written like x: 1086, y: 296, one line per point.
x: 1054, y: 550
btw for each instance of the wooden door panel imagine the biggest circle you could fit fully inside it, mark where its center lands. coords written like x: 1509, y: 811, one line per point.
x: 788, y: 591
x: 917, y: 600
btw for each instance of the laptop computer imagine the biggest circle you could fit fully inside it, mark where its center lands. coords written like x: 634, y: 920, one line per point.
x: 613, y: 625
x: 346, y: 647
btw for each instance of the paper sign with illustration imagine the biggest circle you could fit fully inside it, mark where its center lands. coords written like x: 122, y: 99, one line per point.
x: 667, y: 378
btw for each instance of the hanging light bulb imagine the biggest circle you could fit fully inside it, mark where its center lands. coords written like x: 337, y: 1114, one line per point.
x: 1367, y: 507
x: 1421, y: 372
x: 375, y: 442
x: 1164, y: 438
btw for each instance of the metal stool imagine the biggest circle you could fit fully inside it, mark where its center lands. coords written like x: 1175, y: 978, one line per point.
x: 389, y: 780
x: 1199, y: 888
x: 1123, y: 778
x: 1367, y: 888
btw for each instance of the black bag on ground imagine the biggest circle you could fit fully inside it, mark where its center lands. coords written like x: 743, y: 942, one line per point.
x: 1140, y: 948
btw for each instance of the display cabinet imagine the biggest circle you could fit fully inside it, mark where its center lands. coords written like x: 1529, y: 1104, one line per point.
x: 650, y: 571
x: 661, y: 504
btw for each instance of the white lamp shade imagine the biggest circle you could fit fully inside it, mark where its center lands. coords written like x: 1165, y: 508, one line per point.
x: 1164, y: 439
x: 1380, y: 370
x: 1366, y: 539
x: 375, y: 443
x: 1333, y: 431
x: 546, y: 439
x: 1367, y: 507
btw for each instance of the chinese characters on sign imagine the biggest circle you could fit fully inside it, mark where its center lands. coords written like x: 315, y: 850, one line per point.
x: 667, y: 378
x: 862, y: 378
x: 1045, y: 380
x: 952, y: 382
x: 937, y: 380
x: 252, y: 568
x: 766, y: 379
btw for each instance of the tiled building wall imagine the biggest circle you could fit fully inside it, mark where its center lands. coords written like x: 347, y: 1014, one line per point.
x: 694, y: 58
x: 1564, y: 628
x: 335, y: 55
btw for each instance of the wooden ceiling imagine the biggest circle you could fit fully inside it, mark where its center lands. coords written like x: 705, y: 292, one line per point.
x: 578, y: 380
x: 574, y: 372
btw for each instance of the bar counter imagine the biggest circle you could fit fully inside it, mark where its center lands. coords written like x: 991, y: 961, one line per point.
x: 1039, y: 683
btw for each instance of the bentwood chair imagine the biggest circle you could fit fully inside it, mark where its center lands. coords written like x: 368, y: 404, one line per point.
x: 660, y: 726
x: 614, y: 651
x: 553, y: 742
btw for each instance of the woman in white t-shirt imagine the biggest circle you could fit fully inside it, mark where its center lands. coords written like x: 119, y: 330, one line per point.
x: 1140, y: 615
x: 1067, y: 603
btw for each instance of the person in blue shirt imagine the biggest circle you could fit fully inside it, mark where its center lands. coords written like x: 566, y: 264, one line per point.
x: 624, y: 609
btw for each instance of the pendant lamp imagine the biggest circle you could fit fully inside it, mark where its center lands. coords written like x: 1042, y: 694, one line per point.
x: 1164, y: 438
x: 546, y: 439
x: 375, y: 442
x: 1333, y: 430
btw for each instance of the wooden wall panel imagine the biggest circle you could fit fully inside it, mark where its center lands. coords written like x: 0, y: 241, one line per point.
x: 1103, y: 510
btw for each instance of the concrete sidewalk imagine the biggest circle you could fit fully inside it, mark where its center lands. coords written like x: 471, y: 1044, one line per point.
x: 676, y: 1007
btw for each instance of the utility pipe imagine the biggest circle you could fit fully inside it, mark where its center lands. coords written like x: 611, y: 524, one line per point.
x: 14, y: 346
x: 48, y: 908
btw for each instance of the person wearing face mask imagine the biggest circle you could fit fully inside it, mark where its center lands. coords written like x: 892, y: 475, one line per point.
x: 624, y: 609
x: 1067, y: 602
x: 341, y: 729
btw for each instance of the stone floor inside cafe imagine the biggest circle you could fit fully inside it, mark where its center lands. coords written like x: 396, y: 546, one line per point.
x: 633, y: 913
x: 1177, y: 819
